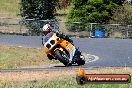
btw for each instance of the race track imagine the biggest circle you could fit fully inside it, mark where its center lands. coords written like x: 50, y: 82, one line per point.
x: 111, y: 52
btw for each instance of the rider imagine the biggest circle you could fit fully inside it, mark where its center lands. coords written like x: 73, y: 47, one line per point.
x: 48, y: 32
x: 47, y: 29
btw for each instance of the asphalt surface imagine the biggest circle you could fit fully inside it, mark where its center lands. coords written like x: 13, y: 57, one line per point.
x: 111, y: 52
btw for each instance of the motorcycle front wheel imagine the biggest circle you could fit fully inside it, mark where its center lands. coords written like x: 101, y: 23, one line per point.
x: 81, y: 61
x: 60, y: 56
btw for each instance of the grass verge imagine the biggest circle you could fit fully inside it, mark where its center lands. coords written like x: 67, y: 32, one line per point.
x: 13, y: 57
x: 65, y: 79
x: 63, y: 83
x: 9, y: 8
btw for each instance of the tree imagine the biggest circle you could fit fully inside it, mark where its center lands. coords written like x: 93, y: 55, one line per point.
x: 92, y: 11
x: 63, y: 4
x: 123, y: 15
x: 38, y: 9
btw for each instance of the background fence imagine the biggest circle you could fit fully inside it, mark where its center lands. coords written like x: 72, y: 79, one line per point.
x: 34, y: 27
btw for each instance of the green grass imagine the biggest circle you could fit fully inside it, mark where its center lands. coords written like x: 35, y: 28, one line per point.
x: 13, y: 57
x: 69, y: 82
x: 9, y: 8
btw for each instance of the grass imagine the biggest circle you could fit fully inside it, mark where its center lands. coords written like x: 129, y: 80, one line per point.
x: 9, y: 8
x: 13, y: 57
x: 69, y: 82
x: 58, y: 79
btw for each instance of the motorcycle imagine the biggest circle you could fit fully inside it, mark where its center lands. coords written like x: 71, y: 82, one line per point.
x: 63, y: 50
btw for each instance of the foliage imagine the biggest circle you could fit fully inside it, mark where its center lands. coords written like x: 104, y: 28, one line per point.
x: 123, y: 15
x: 63, y: 4
x: 92, y: 11
x: 38, y: 9
x: 98, y: 11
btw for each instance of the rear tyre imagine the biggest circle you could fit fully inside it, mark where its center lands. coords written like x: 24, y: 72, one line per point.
x: 59, y: 56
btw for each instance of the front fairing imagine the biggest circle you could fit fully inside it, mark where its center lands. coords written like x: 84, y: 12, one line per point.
x: 50, y: 42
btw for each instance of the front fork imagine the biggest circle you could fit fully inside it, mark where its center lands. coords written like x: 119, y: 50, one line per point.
x: 78, y: 56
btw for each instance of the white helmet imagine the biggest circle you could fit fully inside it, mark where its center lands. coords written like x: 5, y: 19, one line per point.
x: 47, y: 27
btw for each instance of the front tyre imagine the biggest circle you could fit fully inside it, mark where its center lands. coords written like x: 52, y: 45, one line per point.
x: 81, y: 60
x: 59, y: 56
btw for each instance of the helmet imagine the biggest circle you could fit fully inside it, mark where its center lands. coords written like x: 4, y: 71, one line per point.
x: 47, y: 27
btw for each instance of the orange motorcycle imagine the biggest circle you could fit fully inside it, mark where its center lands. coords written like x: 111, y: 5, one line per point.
x: 63, y: 50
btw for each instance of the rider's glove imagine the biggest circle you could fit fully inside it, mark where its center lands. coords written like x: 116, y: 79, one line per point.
x: 60, y: 35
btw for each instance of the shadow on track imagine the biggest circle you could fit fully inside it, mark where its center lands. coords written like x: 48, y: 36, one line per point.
x: 62, y: 66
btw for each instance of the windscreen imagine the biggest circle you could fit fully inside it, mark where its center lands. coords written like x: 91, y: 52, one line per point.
x: 48, y: 36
